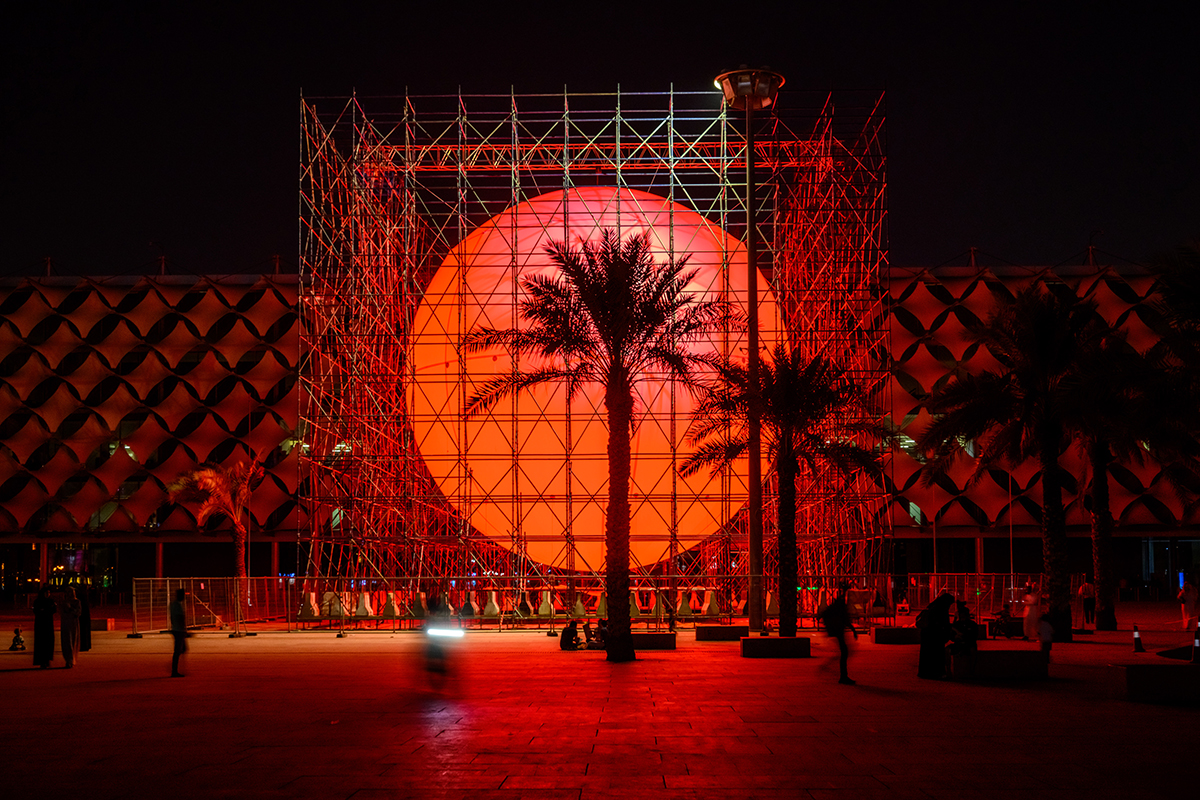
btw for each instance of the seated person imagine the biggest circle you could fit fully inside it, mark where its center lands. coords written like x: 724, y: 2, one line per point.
x: 18, y: 641
x: 569, y: 639
x: 1003, y: 621
x: 598, y: 638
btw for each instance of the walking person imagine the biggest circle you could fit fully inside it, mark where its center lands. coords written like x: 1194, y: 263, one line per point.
x: 1087, y: 596
x: 44, y: 609
x: 178, y: 630
x: 69, y: 625
x: 836, y: 619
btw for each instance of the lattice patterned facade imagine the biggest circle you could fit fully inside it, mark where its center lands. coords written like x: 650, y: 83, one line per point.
x: 392, y: 189
x: 929, y: 314
x: 111, y: 387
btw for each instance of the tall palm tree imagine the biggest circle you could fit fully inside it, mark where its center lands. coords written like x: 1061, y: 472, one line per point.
x: 611, y: 316
x: 223, y: 491
x: 810, y: 411
x: 1018, y: 412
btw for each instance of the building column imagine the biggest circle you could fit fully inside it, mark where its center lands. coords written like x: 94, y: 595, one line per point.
x: 979, y: 554
x: 158, y: 559
x: 274, y: 559
x: 43, y: 562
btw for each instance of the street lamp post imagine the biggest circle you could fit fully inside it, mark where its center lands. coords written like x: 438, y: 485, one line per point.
x: 750, y: 90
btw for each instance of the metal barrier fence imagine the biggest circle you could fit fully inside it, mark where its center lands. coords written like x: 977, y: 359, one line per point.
x: 211, y: 602
x: 984, y: 593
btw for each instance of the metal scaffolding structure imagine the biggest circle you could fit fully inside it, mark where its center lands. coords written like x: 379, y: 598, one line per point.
x: 392, y: 189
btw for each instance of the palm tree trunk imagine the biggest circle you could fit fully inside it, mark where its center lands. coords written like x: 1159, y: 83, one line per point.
x: 786, y: 517
x: 1102, y: 530
x: 239, y: 553
x: 1054, y: 534
x: 618, y: 402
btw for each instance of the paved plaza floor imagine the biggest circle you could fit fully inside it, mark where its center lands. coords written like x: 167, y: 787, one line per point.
x: 310, y: 715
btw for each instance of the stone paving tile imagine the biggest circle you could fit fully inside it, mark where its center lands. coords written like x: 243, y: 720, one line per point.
x: 312, y: 716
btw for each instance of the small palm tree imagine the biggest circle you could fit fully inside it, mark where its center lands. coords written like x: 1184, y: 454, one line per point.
x: 1020, y: 411
x: 611, y: 316
x: 224, y: 491
x: 811, y: 415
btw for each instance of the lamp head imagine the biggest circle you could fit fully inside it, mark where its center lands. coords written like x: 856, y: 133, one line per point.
x: 754, y: 87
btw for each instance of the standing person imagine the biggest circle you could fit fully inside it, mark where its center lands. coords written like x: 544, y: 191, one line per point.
x: 934, y: 623
x: 1087, y: 594
x: 43, y: 628
x: 178, y: 630
x: 69, y: 625
x: 963, y: 647
x: 1033, y: 610
x: 836, y: 619
x: 1187, y: 603
x: 1045, y: 635
x: 85, y: 621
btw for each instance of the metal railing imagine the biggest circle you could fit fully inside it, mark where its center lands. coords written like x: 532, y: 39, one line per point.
x: 211, y: 602
x: 983, y: 592
x: 503, y: 599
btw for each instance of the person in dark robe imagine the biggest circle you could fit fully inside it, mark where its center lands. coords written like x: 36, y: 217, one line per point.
x: 569, y: 638
x: 934, y: 624
x: 44, y: 609
x: 963, y: 647
x: 179, y: 630
x: 69, y: 626
x: 85, y: 621
x: 836, y: 618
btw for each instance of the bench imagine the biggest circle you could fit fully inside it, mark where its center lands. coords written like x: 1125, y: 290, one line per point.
x: 1000, y: 665
x: 653, y: 640
x: 776, y: 647
x: 895, y: 635
x: 721, y: 633
x: 1171, y: 684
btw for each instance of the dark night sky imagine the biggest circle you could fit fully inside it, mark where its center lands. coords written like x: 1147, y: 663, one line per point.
x: 1022, y: 131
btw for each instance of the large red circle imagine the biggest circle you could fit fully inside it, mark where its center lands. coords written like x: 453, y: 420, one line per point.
x: 507, y: 471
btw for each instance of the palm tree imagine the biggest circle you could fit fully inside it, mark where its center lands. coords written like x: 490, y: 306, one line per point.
x: 612, y: 316
x: 1020, y: 411
x: 223, y: 491
x: 810, y: 414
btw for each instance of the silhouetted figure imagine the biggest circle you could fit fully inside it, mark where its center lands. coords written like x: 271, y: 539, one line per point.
x: 44, y: 609
x: 18, y: 642
x: 1033, y: 610
x: 85, y: 621
x: 569, y: 638
x: 963, y: 645
x: 1004, y: 620
x: 437, y: 661
x: 69, y: 627
x: 1045, y: 634
x: 178, y: 630
x: 599, y: 638
x: 836, y: 618
x: 1187, y: 598
x: 934, y: 623
x: 1087, y: 594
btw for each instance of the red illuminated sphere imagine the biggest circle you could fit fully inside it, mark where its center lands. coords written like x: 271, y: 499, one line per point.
x: 513, y: 472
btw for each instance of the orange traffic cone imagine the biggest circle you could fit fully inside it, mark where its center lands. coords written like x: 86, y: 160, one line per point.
x: 1137, y: 641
